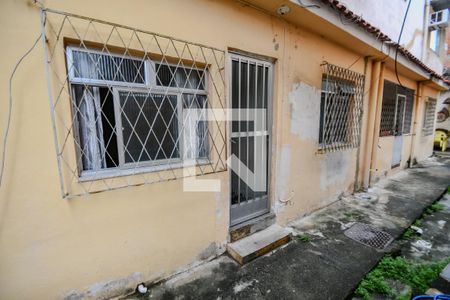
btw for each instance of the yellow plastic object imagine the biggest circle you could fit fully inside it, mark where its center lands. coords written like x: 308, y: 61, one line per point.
x: 441, y: 139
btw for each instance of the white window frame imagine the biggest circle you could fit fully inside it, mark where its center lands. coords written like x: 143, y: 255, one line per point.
x: 186, y: 90
x: 79, y: 80
x: 150, y: 86
x: 434, y: 43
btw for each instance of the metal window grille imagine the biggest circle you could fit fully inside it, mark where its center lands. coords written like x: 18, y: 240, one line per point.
x: 397, y: 109
x: 120, y: 100
x: 340, y: 108
x: 429, y: 116
x: 408, y: 111
x: 388, y: 109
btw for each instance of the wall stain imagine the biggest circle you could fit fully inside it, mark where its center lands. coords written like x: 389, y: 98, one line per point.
x: 305, y: 110
x: 334, y: 168
x: 418, y: 34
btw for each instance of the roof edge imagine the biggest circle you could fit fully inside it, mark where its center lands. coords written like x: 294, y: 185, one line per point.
x: 376, y: 32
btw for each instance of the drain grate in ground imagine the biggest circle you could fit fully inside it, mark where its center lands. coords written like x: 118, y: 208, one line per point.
x: 369, y: 236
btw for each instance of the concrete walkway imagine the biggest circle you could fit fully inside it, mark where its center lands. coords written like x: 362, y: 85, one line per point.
x: 327, y: 266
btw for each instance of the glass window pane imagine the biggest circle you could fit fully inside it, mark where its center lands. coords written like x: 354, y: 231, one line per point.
x: 180, y: 77
x: 149, y: 126
x: 109, y: 127
x: 195, y: 127
x: 103, y: 66
x: 90, y: 138
x: 434, y: 40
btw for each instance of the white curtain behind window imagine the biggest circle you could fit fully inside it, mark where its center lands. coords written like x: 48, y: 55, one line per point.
x: 90, y: 128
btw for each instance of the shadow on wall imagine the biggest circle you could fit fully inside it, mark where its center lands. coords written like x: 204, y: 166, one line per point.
x: 334, y: 169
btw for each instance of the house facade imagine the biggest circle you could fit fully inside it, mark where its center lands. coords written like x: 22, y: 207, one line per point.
x: 144, y: 135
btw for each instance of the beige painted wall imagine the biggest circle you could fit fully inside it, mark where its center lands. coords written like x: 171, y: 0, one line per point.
x: 126, y: 236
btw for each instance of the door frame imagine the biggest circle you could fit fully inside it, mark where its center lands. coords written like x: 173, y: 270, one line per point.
x: 398, y: 136
x: 251, y: 57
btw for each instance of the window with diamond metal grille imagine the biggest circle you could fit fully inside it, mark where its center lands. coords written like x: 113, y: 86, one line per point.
x: 396, y: 116
x: 429, y: 116
x: 340, y: 108
x: 123, y: 102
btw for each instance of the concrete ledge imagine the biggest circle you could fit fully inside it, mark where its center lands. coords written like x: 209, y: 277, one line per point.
x: 250, y: 227
x: 258, y: 244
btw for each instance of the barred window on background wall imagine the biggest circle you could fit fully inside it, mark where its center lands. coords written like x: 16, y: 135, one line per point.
x: 340, y: 108
x: 396, y: 110
x: 429, y: 116
x: 123, y: 102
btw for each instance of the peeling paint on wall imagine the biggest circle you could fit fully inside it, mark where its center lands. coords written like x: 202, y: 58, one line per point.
x: 305, y: 110
x: 334, y: 168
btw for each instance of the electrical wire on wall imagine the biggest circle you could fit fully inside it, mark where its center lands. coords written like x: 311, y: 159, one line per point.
x: 10, y: 105
x: 398, y: 42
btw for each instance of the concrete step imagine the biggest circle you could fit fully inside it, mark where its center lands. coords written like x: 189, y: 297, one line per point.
x: 258, y: 244
x: 250, y: 227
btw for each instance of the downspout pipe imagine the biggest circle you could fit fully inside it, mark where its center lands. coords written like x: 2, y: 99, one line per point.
x: 419, y: 88
x: 426, y: 33
x: 374, y: 77
x: 361, y: 115
x: 376, y: 124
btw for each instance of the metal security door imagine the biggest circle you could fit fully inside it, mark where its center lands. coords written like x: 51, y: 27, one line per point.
x: 251, y: 88
x: 398, y: 130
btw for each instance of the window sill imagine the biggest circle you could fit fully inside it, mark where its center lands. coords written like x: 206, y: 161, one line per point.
x: 323, y: 149
x: 393, y: 135
x: 116, y: 172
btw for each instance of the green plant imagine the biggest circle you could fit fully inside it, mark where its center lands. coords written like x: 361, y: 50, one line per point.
x: 435, y: 207
x: 348, y: 215
x: 407, y: 296
x: 418, y: 222
x: 374, y: 282
x: 417, y: 276
x: 353, y: 216
x: 409, y: 233
x: 304, y: 237
x: 428, y: 211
